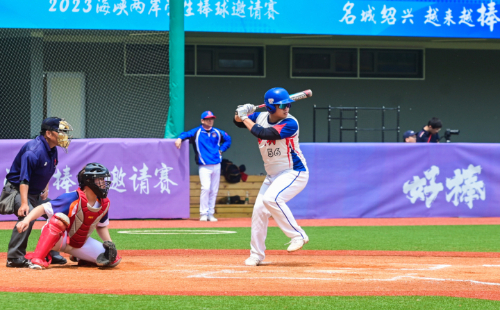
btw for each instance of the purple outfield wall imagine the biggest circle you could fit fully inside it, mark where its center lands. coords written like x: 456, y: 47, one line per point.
x: 150, y: 177
x: 375, y: 180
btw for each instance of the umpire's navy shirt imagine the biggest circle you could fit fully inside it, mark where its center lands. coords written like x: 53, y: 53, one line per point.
x: 426, y: 137
x: 35, y: 164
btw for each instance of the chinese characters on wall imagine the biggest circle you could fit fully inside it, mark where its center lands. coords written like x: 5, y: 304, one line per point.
x: 484, y: 16
x: 254, y: 9
x: 463, y: 187
x: 140, y: 182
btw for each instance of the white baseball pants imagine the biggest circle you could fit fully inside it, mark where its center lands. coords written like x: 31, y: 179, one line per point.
x: 209, y: 178
x: 89, y: 251
x: 274, y: 193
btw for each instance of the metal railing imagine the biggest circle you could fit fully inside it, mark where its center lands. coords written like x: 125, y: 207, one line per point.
x: 354, y: 118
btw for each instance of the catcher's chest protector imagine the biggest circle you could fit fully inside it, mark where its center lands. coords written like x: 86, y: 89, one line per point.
x: 85, y: 220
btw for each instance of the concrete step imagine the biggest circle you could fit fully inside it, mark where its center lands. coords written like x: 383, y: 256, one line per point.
x: 229, y: 186
x: 225, y: 211
x: 232, y: 192
x: 251, y: 178
x: 195, y: 200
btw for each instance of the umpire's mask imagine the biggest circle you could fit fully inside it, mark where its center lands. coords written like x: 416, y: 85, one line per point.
x: 64, y: 137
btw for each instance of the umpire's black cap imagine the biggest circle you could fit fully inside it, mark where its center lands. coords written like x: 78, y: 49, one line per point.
x: 51, y: 123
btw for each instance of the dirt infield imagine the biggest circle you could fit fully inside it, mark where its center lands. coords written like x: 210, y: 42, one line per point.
x: 246, y: 222
x: 306, y: 273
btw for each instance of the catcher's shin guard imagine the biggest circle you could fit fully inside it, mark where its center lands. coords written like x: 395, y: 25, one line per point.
x: 49, y: 237
x: 110, y: 256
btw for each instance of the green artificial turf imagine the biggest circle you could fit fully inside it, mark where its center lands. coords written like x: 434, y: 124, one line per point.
x: 83, y: 301
x: 473, y: 238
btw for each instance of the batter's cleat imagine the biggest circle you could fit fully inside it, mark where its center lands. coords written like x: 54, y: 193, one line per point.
x: 18, y: 263
x: 203, y: 218
x: 73, y: 259
x: 296, y: 244
x: 212, y: 218
x: 252, y: 261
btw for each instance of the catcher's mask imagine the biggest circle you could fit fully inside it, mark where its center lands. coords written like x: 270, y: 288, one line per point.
x: 97, y: 178
x: 62, y: 127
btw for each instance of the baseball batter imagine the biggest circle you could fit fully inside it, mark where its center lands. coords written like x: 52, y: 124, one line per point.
x: 72, y: 219
x: 287, y: 174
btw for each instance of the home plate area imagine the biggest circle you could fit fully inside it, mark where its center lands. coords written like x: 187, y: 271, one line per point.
x: 226, y: 274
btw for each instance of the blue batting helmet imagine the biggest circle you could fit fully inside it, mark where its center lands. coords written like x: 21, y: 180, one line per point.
x: 279, y: 96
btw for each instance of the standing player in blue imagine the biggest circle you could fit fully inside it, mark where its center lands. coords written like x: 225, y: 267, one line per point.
x: 28, y: 182
x: 208, y: 143
x: 278, y: 136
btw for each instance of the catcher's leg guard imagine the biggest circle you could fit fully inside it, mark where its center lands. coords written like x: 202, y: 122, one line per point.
x: 49, y: 237
x: 109, y: 256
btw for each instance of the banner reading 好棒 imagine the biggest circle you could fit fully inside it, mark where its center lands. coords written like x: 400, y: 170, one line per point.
x: 377, y: 180
x: 452, y: 19
x: 150, y: 177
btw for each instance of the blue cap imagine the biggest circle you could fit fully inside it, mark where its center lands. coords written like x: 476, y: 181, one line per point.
x: 51, y: 123
x: 207, y: 114
x: 409, y: 133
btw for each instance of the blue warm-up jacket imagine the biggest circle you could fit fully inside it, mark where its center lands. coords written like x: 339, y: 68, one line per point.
x: 206, y: 144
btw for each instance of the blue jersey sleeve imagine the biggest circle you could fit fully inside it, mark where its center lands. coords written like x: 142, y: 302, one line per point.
x: 62, y: 203
x: 188, y: 134
x: 254, y: 116
x: 287, y: 128
x: 226, y: 141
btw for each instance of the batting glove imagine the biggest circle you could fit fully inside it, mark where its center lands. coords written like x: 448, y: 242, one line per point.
x: 250, y: 108
x: 242, y: 113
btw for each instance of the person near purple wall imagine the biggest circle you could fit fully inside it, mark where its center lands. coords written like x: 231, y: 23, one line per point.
x: 430, y: 133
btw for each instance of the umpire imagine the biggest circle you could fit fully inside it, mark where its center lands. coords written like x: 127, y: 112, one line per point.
x: 28, y: 182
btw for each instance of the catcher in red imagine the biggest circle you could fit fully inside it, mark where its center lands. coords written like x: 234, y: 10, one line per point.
x: 72, y: 219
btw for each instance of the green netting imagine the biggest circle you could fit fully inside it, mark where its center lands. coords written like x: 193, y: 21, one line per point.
x: 107, y: 84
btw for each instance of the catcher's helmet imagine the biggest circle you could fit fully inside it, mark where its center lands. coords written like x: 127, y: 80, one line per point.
x: 279, y: 96
x: 88, y: 176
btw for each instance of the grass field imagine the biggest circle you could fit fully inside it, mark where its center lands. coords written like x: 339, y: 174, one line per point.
x: 80, y: 301
x: 474, y: 238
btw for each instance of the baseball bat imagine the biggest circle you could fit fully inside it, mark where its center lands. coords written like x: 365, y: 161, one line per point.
x: 297, y: 96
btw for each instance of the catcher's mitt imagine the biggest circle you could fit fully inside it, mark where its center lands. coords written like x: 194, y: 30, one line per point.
x: 109, y: 255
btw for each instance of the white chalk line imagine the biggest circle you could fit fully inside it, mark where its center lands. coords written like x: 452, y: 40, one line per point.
x: 176, y: 232
x: 210, y: 275
x: 435, y: 267
x: 217, y: 274
x: 435, y: 279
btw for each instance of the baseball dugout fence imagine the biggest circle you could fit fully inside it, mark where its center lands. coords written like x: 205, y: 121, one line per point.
x: 355, y: 120
x: 107, y: 84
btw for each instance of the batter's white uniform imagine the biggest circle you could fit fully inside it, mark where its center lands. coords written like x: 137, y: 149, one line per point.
x: 287, y: 175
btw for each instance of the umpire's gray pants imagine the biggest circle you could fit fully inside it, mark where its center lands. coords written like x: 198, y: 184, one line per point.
x: 19, y: 241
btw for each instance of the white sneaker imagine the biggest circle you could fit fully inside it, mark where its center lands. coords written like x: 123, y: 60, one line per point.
x: 296, y: 244
x: 212, y: 218
x: 252, y: 261
x: 35, y: 266
x: 203, y: 218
